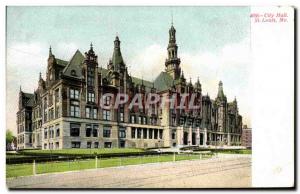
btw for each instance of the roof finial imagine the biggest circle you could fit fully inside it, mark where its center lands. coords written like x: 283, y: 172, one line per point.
x: 40, y: 75
x: 91, y: 46
x: 20, y: 88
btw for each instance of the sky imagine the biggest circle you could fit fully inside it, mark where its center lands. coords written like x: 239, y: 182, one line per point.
x: 214, y: 45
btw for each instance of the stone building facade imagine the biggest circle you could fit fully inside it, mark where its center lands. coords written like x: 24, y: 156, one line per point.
x: 64, y: 111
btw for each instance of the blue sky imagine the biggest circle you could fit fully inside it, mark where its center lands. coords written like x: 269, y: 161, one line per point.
x: 214, y: 44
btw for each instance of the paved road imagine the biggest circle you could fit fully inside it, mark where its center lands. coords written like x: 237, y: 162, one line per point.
x: 229, y: 171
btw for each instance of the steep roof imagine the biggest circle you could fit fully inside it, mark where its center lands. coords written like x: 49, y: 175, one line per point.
x: 163, y: 81
x: 61, y: 62
x: 29, y: 99
x: 74, y: 65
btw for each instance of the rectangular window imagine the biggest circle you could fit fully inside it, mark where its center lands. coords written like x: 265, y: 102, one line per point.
x: 88, y: 131
x: 106, y: 115
x: 88, y: 144
x: 121, y: 117
x: 57, y: 145
x: 87, y: 112
x: 150, y: 133
x: 91, y: 97
x: 144, y: 133
x: 107, y: 144
x: 132, y: 119
x: 74, y: 110
x: 95, y: 130
x: 140, y: 120
x: 139, y: 133
x: 106, y: 132
x: 56, y: 95
x: 95, y: 113
x: 133, y: 133
x: 96, y: 145
x: 145, y: 120
x: 155, y: 133
x: 75, y: 144
x: 122, y: 132
x: 57, y: 131
x: 45, y: 133
x: 74, y: 94
x: 107, y: 100
x: 160, y: 134
x: 74, y: 129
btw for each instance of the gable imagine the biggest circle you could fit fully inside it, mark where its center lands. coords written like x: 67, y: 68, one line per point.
x: 73, y: 69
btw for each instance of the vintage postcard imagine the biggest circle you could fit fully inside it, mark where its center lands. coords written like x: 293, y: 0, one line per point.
x: 140, y: 97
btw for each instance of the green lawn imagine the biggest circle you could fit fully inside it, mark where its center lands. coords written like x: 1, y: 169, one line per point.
x: 26, y: 169
x: 82, y: 151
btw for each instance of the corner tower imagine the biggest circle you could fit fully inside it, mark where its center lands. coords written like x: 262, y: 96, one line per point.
x: 172, y: 62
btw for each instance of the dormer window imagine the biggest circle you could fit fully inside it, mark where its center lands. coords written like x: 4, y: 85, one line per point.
x: 73, y: 72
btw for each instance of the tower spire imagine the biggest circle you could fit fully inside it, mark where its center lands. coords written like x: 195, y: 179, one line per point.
x: 50, y: 51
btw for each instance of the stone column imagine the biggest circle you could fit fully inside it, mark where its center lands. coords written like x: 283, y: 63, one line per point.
x: 135, y: 134
x: 190, y: 136
x: 198, y: 136
x: 228, y: 139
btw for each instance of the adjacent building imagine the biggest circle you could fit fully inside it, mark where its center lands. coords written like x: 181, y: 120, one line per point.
x: 64, y: 111
x: 247, y: 137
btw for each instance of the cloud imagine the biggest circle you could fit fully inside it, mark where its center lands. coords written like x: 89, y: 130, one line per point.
x: 231, y: 64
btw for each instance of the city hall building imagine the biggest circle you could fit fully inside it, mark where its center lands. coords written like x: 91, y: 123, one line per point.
x: 64, y: 111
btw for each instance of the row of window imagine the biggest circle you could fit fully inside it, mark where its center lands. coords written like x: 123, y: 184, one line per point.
x: 77, y: 144
x: 52, y: 132
x: 143, y: 133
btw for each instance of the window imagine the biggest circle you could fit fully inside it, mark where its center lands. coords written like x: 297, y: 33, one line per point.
x: 144, y: 133
x: 139, y: 133
x: 90, y: 76
x: 57, y: 111
x: 122, y: 144
x: 45, y: 133
x: 145, y: 120
x: 122, y: 132
x: 155, y: 133
x: 107, y: 100
x: 56, y: 95
x: 73, y: 72
x: 57, y: 131
x: 95, y: 131
x: 132, y: 133
x: 91, y: 97
x: 173, y: 135
x: 160, y: 134
x: 106, y: 132
x: 57, y: 145
x: 121, y: 117
x: 140, y: 120
x: 88, y: 144
x: 74, y: 109
x: 173, y: 121
x: 106, y: 115
x: 95, y: 113
x: 132, y: 119
x: 74, y: 94
x: 87, y: 112
x: 75, y: 144
x: 88, y: 131
x: 74, y: 129
x: 150, y: 133
x: 96, y: 145
x: 107, y: 144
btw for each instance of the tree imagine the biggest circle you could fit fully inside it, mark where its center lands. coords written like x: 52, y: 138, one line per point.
x: 9, y: 136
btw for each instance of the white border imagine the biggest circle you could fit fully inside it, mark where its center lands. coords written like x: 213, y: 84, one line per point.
x: 128, y: 2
